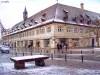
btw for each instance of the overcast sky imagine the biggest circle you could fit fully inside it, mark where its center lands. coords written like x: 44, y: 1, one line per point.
x: 12, y: 12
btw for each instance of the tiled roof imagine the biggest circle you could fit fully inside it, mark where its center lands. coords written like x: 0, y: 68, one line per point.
x: 60, y: 13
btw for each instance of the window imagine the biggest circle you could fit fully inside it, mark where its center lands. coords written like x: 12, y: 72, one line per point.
x: 32, y: 32
x: 29, y: 33
x: 81, y: 30
x: 60, y: 28
x: 69, y: 29
x: 22, y: 34
x: 48, y: 29
x: 37, y: 31
x: 47, y: 42
x: 76, y: 30
x: 86, y: 30
x: 42, y: 30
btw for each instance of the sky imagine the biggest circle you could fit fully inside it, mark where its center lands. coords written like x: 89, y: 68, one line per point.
x: 11, y: 11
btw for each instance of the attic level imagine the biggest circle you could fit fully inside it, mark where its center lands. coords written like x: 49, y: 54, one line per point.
x: 61, y: 13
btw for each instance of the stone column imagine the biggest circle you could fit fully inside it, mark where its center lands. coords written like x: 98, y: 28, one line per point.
x: 81, y: 42
x: 34, y: 43
x: 24, y: 43
x: 42, y: 44
x: 21, y: 44
x: 52, y: 43
x: 16, y: 43
x: 70, y: 43
x: 57, y: 41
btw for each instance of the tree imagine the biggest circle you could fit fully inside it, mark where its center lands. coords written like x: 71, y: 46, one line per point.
x: 95, y: 28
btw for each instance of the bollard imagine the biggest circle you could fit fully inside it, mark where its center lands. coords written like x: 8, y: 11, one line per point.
x: 66, y: 51
x: 23, y: 53
x: 54, y: 51
x: 31, y: 52
x: 41, y: 51
x: 71, y: 52
x: 52, y: 56
x: 47, y: 51
x: 62, y: 52
x: 82, y: 58
x: 16, y: 53
x: 92, y: 51
x: 18, y: 50
x: 81, y: 51
x: 65, y: 57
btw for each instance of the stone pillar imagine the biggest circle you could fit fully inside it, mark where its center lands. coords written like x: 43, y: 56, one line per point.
x: 34, y: 43
x: 21, y: 44
x: 42, y: 44
x: 52, y: 43
x: 70, y: 43
x: 16, y: 43
x: 13, y: 44
x: 24, y: 43
x: 81, y: 44
x: 86, y: 42
x: 28, y: 42
x: 57, y: 41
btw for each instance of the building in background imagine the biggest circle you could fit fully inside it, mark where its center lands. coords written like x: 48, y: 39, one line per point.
x: 1, y: 30
x: 56, y: 24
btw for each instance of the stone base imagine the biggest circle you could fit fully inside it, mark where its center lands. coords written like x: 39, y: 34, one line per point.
x: 39, y: 63
x: 19, y: 65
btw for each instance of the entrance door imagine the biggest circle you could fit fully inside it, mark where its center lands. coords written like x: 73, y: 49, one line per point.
x: 93, y: 43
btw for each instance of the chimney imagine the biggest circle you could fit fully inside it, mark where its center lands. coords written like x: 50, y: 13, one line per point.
x: 82, y: 8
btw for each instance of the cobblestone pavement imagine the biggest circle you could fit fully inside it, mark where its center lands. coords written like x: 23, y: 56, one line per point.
x: 57, y: 66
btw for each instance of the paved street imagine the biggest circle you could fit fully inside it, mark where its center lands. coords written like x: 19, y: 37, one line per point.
x: 53, y: 67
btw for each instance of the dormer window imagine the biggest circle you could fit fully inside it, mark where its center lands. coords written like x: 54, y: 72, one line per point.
x: 81, y: 16
x: 66, y: 12
x: 65, y: 18
x: 24, y: 25
x: 17, y: 28
x: 89, y: 22
x: 31, y: 20
x: 43, y: 17
x: 30, y: 24
x: 74, y: 19
x: 35, y: 22
x: 87, y: 16
x: 21, y: 27
x: 82, y: 21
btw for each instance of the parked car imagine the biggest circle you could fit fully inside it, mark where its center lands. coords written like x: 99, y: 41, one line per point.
x: 4, y: 49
